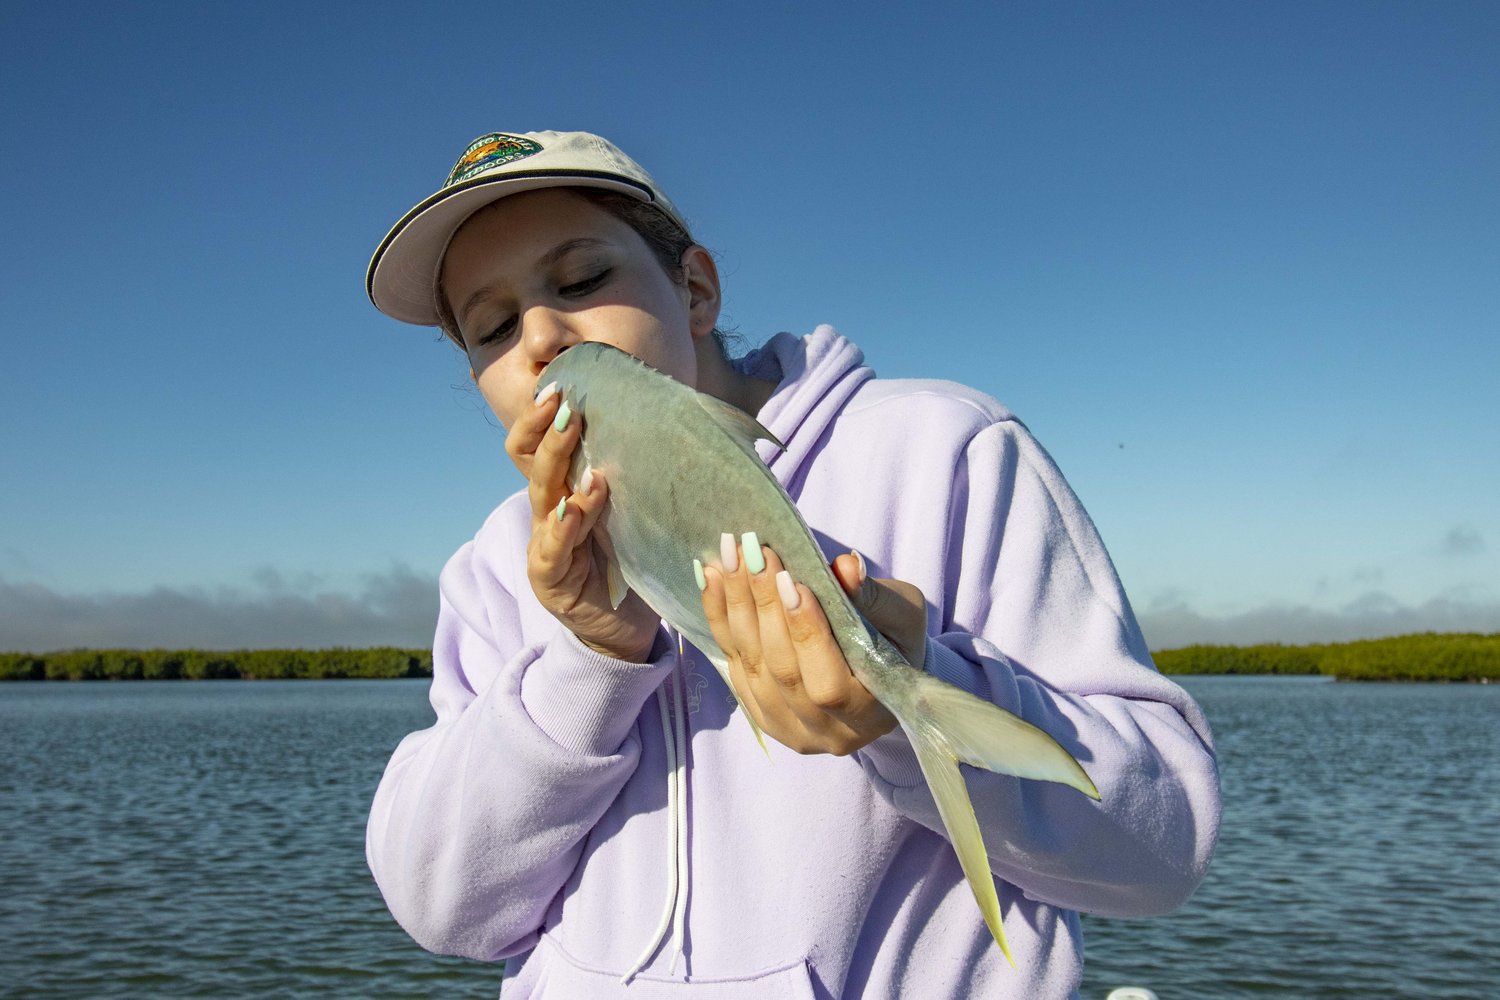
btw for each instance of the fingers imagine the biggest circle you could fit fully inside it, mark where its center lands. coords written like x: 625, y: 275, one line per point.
x: 716, y: 610
x: 526, y: 433
x: 558, y: 558
x: 741, y: 610
x: 544, y: 441
x: 552, y: 458
x: 784, y: 660
x: 778, y: 670
x: 541, y: 443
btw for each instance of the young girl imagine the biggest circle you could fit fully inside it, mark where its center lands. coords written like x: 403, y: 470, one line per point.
x: 591, y: 806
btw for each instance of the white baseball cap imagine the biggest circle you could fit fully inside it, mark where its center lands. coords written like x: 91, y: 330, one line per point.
x: 403, y: 274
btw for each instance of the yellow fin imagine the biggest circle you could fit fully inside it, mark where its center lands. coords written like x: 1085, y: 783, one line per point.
x: 946, y: 782
x: 618, y: 588
x: 985, y: 735
x: 945, y: 725
x: 722, y: 666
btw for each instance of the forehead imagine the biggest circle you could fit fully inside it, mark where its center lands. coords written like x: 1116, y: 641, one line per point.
x: 530, y: 224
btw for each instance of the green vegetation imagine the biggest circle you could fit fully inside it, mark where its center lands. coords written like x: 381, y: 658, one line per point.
x: 196, y: 664
x: 1430, y: 656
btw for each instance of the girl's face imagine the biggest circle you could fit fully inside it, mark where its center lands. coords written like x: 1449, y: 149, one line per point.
x: 540, y: 271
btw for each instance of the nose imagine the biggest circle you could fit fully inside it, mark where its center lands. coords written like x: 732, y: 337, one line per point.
x: 546, y: 334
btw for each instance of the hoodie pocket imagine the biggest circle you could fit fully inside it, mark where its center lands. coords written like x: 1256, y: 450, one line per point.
x: 563, y: 977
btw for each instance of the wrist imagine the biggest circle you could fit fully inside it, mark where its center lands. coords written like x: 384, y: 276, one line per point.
x: 627, y: 654
x: 587, y: 701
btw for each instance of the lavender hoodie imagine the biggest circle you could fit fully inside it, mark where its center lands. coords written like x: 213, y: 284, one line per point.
x: 540, y: 819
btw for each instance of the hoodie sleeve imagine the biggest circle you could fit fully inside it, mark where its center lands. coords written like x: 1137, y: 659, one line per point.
x: 1032, y: 617
x: 480, y: 820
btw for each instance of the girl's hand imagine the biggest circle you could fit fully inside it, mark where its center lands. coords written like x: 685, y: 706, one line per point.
x: 564, y: 560
x: 783, y: 660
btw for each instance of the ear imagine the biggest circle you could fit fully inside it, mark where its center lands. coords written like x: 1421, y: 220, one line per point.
x: 701, y: 279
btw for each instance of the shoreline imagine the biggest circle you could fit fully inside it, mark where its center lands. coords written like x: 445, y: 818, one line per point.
x: 1428, y: 657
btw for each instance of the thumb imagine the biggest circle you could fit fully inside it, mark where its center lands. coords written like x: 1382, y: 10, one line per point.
x: 851, y: 574
x: 896, y: 608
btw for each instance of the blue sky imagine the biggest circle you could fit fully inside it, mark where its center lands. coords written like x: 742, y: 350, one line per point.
x: 1236, y: 265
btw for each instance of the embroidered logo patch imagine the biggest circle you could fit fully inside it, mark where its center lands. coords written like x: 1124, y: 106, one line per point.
x: 488, y: 152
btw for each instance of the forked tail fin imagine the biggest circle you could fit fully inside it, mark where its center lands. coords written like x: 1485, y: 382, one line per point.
x: 947, y: 725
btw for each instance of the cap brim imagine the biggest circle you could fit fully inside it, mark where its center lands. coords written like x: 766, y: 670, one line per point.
x: 402, y: 277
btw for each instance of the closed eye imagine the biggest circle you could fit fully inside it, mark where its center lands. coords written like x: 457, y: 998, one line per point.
x: 581, y: 288
x: 499, y: 333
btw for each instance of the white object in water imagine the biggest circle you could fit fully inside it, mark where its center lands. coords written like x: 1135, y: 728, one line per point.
x: 1131, y: 993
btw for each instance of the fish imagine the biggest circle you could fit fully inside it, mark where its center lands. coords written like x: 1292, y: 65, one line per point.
x: 682, y: 469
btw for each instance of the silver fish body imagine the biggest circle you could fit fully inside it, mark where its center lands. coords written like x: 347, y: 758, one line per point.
x: 682, y: 470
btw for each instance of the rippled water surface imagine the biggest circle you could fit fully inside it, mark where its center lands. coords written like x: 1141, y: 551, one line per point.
x: 1358, y: 856
x: 206, y: 840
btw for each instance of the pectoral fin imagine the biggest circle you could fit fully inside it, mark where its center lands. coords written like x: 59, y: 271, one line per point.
x: 614, y: 579
x: 618, y: 588
x: 738, y: 424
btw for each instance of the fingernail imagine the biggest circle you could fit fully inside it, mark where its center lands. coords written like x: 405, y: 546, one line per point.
x: 788, y: 591
x: 755, y: 560
x: 698, y: 575
x: 564, y: 414
x: 863, y: 570
x: 546, y: 393
x: 728, y: 558
x: 587, y: 482
x: 562, y: 508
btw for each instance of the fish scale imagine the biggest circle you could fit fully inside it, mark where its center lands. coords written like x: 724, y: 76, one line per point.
x: 682, y: 470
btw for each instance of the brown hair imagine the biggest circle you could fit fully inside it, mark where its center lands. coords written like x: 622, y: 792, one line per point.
x: 666, y: 239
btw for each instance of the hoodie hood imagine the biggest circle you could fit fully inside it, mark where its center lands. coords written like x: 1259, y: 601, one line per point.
x: 815, y: 376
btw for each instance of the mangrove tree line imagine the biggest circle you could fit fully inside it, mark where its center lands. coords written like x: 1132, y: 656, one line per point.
x: 1430, y: 656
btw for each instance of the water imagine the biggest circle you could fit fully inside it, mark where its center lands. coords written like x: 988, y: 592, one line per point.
x: 206, y: 840
x: 1359, y: 855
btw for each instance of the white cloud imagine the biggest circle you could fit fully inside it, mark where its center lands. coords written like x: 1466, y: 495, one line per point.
x: 1168, y: 625
x: 395, y: 608
x: 399, y: 608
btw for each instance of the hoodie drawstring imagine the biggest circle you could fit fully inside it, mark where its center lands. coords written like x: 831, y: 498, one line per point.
x: 674, y: 735
x: 679, y: 819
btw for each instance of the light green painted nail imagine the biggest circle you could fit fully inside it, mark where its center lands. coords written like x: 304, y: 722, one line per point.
x: 755, y: 560
x: 564, y: 414
x: 562, y: 508
x: 698, y: 575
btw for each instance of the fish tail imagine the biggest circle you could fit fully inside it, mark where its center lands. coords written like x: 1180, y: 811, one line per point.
x: 947, y: 725
x: 940, y: 768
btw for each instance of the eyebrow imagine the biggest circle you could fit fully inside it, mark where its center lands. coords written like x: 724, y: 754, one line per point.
x: 547, y: 259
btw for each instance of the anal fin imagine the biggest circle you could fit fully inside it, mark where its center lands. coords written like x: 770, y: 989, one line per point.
x: 722, y: 666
